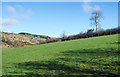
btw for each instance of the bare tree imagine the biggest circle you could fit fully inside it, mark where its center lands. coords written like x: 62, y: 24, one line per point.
x: 97, y: 15
x: 63, y: 35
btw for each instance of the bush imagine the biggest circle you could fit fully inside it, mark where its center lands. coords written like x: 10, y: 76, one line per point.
x: 92, y: 34
x: 84, y: 35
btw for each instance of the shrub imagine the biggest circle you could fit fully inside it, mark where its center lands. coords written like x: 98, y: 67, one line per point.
x: 84, y: 35
x: 92, y: 34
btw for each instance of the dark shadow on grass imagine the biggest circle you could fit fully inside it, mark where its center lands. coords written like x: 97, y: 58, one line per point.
x: 60, y: 69
x: 115, y: 43
x: 59, y: 66
x: 100, y: 52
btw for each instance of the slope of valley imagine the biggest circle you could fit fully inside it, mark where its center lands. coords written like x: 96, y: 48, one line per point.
x: 10, y: 40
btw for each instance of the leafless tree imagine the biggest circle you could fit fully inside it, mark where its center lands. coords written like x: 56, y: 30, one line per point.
x: 63, y: 35
x: 97, y: 15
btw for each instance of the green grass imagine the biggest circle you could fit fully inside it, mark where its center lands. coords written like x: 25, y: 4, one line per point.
x: 97, y: 55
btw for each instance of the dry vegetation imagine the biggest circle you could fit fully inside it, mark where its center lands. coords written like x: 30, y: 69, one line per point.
x: 13, y: 40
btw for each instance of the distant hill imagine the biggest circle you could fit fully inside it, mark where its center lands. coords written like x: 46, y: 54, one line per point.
x: 11, y: 40
x: 34, y: 35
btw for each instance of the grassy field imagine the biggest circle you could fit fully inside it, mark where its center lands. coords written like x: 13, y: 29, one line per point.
x: 97, y: 55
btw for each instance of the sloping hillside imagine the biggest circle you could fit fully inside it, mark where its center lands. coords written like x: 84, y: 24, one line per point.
x: 90, y: 56
x: 10, y: 40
